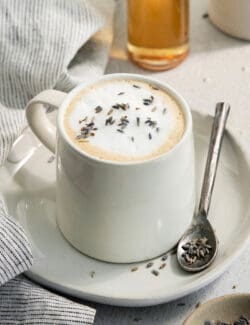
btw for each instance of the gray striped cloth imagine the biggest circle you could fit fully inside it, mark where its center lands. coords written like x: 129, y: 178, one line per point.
x: 41, y: 47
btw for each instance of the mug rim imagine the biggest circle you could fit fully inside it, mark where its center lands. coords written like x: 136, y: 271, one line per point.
x: 125, y: 76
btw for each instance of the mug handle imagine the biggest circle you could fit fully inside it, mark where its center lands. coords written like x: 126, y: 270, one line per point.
x: 38, y: 120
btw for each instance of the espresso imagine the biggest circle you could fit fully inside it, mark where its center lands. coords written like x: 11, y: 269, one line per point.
x: 124, y: 120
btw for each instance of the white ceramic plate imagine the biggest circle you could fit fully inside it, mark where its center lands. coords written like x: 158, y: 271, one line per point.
x: 27, y: 183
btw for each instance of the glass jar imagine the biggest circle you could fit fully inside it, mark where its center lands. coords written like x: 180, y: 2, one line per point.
x: 158, y: 32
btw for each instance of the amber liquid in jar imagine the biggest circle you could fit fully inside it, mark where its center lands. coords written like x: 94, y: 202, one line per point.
x: 158, y: 32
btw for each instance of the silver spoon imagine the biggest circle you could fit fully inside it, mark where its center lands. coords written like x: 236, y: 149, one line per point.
x: 198, y: 246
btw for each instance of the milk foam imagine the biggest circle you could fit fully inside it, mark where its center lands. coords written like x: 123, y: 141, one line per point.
x: 152, y: 121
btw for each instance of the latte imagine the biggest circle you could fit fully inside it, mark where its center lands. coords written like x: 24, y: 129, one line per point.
x: 124, y: 120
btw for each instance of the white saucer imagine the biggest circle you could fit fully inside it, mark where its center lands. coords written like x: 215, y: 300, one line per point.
x: 27, y: 183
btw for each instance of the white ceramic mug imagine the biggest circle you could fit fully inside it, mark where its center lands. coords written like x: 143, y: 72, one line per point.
x: 231, y: 16
x: 118, y: 211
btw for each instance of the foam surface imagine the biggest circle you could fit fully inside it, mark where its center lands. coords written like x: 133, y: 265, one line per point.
x: 149, y: 120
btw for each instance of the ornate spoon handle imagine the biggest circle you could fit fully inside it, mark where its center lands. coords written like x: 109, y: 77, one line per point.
x: 221, y: 114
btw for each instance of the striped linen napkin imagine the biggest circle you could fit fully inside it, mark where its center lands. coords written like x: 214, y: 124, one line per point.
x: 41, y: 47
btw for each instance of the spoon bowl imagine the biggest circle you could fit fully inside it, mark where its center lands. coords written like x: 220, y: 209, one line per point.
x: 200, y: 230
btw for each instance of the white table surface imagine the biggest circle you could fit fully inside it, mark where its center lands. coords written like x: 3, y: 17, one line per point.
x: 217, y: 69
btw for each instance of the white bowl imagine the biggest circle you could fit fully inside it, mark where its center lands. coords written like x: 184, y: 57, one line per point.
x: 231, y: 16
x: 226, y: 308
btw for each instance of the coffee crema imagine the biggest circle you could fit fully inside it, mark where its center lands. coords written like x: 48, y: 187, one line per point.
x: 124, y: 120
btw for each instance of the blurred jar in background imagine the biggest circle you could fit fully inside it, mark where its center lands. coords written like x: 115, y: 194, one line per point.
x: 158, y: 32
